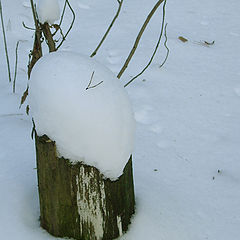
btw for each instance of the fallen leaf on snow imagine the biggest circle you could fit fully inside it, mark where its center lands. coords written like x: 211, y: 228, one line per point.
x: 183, y: 39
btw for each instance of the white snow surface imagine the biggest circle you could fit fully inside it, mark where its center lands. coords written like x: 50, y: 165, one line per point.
x: 48, y: 11
x: 187, y: 116
x: 81, y: 105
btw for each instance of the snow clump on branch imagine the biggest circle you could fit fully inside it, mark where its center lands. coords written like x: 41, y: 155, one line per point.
x: 48, y: 11
x: 81, y: 105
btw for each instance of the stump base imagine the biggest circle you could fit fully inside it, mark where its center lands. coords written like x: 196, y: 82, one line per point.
x: 76, y: 201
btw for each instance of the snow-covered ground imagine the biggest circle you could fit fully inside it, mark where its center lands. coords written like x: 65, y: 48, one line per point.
x: 187, y: 155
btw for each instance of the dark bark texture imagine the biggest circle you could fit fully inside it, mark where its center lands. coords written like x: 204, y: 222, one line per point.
x: 76, y: 201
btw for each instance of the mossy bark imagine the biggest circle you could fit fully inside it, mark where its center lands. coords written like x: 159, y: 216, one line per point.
x: 76, y: 201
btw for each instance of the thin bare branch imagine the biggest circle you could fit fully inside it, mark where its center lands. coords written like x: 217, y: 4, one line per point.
x: 120, y: 2
x: 165, y: 44
x: 36, y: 53
x: 58, y: 26
x: 96, y: 85
x: 155, y: 50
x: 73, y: 20
x: 139, y: 38
x: 5, y: 43
x: 63, y: 12
x: 29, y: 28
x: 34, y: 13
x: 61, y: 33
x: 89, y: 84
x: 209, y: 43
x: 16, y: 63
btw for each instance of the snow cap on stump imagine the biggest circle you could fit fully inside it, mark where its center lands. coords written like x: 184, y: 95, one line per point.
x: 81, y: 105
x: 48, y: 11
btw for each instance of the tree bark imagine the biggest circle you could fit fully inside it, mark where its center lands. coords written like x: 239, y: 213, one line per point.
x: 49, y: 37
x: 76, y: 201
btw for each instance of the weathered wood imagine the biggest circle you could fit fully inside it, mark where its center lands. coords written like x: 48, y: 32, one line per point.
x: 77, y: 201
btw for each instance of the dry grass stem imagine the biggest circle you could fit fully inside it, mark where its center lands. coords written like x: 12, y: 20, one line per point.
x: 16, y: 63
x: 155, y: 50
x: 120, y: 2
x: 5, y: 42
x: 165, y: 44
x: 139, y: 38
x: 71, y: 25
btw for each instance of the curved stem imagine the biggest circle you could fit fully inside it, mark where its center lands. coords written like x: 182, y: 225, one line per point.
x: 5, y: 43
x: 165, y: 44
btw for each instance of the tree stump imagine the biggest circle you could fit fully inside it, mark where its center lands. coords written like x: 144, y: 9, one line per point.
x: 76, y: 201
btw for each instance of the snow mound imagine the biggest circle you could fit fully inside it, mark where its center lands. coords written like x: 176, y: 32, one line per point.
x: 81, y: 105
x: 48, y: 11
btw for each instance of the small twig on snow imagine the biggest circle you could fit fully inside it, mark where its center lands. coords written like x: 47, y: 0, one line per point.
x: 33, y: 133
x: 204, y: 43
x: 5, y: 43
x: 34, y: 13
x: 120, y: 2
x: 89, y: 84
x: 155, y: 50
